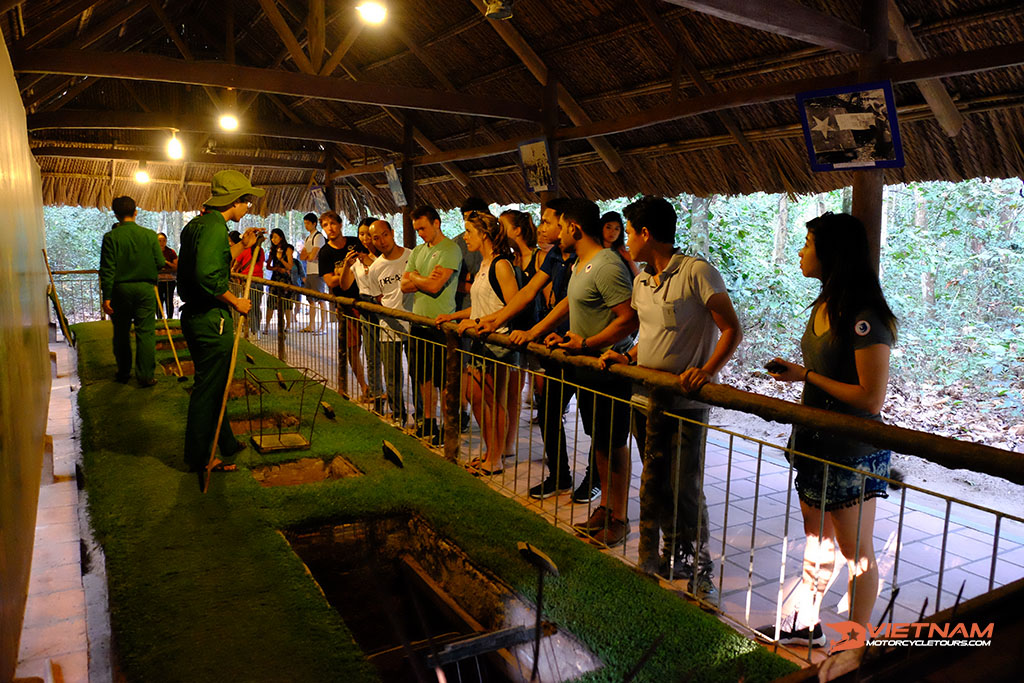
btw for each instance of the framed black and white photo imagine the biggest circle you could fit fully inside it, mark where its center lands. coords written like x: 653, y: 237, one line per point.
x: 395, y: 184
x: 536, y: 162
x: 851, y: 127
x: 319, y: 199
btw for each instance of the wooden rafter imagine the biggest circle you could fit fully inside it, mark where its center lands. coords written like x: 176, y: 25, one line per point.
x: 65, y: 15
x: 172, y: 32
x: 934, y: 92
x: 343, y: 47
x: 154, y: 68
x: 8, y: 5
x: 316, y: 29
x: 287, y: 37
x: 124, y: 120
x: 787, y: 18
x: 539, y: 69
x: 157, y: 153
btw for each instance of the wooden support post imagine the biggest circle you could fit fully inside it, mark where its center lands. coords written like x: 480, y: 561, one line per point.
x: 450, y: 395
x: 329, y: 183
x: 550, y: 126
x: 867, y: 185
x: 408, y: 183
x: 342, y: 351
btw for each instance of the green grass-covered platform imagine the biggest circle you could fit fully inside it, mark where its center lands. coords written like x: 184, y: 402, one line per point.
x: 204, y: 588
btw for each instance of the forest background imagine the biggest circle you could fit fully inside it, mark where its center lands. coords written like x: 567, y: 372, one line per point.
x: 952, y: 268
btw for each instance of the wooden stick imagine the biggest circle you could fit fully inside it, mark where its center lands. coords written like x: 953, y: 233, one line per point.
x: 61, y: 319
x: 242, y: 321
x: 160, y: 307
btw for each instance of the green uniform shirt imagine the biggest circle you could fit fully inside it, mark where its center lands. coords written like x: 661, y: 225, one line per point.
x: 204, y: 260
x: 130, y: 253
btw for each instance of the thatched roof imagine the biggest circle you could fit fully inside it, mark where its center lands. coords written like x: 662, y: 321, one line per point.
x: 613, y: 60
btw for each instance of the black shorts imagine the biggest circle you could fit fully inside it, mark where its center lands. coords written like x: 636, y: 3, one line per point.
x: 604, y: 408
x: 426, y: 354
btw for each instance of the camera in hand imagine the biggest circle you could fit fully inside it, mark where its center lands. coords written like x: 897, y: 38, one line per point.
x: 775, y: 367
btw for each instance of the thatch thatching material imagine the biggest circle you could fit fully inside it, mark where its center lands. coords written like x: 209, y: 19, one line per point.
x: 607, y: 55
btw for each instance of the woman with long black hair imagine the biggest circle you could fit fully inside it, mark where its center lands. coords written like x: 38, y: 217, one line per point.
x: 280, y: 266
x: 845, y: 350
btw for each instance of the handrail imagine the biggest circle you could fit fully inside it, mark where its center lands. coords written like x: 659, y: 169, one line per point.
x: 76, y: 272
x: 945, y: 451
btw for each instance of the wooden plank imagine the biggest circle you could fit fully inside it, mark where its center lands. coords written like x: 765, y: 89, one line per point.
x: 536, y: 66
x: 285, y: 33
x: 147, y: 67
x: 125, y: 120
x: 787, y: 18
x: 156, y: 154
x: 316, y: 30
x: 343, y: 47
x: 934, y: 92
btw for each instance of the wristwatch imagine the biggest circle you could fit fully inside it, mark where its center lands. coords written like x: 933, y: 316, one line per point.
x: 583, y: 344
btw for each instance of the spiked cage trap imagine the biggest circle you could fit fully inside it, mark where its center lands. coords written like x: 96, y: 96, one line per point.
x: 282, y: 410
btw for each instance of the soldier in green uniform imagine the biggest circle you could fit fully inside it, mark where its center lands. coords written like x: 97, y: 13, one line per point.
x: 203, y: 265
x: 129, y: 259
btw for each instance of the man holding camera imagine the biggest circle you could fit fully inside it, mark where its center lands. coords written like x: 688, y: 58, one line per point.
x: 203, y: 277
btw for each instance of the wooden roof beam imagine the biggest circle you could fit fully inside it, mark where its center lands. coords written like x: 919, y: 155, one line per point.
x: 539, y: 69
x: 126, y: 120
x: 145, y: 67
x: 343, y: 47
x: 7, y: 5
x: 316, y: 32
x: 157, y: 154
x: 287, y: 37
x: 786, y: 18
x: 65, y: 15
x: 180, y: 44
x: 934, y: 92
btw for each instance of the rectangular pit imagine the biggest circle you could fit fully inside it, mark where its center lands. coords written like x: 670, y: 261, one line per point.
x: 396, y: 580
x: 305, y: 471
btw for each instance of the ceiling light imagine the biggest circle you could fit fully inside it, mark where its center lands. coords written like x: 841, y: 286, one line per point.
x: 498, y: 9
x: 372, y: 12
x: 142, y: 175
x: 229, y: 122
x: 174, y: 148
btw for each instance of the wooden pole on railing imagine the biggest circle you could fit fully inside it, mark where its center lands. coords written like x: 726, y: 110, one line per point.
x: 945, y: 451
x: 450, y: 398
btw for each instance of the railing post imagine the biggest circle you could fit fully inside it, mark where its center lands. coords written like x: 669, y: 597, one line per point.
x: 280, y: 326
x: 656, y: 426
x: 450, y: 396
x: 99, y: 284
x: 342, y: 350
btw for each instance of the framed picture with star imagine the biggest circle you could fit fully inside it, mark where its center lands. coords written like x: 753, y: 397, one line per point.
x: 851, y: 127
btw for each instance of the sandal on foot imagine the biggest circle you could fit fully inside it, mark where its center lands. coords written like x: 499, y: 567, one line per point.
x: 220, y: 466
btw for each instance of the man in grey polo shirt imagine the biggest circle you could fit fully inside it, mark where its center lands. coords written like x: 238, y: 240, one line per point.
x: 687, y: 327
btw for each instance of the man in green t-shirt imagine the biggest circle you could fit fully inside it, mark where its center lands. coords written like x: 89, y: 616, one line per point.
x: 204, y: 262
x: 432, y: 276
x: 129, y: 260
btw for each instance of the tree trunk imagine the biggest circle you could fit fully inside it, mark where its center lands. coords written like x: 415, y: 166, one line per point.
x: 781, y: 231
x: 848, y: 199
x: 700, y: 240
x: 819, y: 202
x: 928, y: 276
x: 888, y: 211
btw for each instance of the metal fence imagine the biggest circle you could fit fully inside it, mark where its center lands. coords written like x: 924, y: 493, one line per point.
x: 932, y: 550
x: 79, y: 295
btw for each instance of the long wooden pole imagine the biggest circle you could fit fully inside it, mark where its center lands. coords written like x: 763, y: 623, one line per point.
x: 242, y: 321
x: 61, y: 320
x: 160, y: 307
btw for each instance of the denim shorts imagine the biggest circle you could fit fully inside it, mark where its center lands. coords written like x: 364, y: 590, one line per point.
x: 843, y: 487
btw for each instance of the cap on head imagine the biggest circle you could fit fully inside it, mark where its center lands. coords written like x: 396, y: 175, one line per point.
x: 228, y: 186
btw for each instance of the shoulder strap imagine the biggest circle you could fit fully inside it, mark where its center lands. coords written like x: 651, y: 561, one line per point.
x: 492, y: 276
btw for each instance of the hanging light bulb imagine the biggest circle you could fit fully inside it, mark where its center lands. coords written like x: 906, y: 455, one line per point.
x: 228, y: 121
x: 174, y: 148
x: 372, y: 12
x: 142, y: 174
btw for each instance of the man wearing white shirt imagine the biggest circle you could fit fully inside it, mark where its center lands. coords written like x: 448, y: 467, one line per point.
x: 310, y: 254
x: 384, y: 284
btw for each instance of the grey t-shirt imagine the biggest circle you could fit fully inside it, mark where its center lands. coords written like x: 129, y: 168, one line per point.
x: 677, y: 330
x: 827, y: 355
x: 596, y: 288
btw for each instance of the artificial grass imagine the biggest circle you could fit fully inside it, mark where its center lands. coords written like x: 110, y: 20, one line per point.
x: 204, y: 588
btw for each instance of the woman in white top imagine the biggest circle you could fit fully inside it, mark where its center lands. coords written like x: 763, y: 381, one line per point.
x: 491, y: 376
x: 356, y: 267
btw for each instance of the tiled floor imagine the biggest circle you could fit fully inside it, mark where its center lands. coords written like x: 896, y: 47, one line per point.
x: 742, y: 477
x: 54, y: 645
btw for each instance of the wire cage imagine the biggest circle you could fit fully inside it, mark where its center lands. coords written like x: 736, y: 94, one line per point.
x: 294, y: 396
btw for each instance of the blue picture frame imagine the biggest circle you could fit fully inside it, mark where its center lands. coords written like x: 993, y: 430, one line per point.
x: 851, y: 127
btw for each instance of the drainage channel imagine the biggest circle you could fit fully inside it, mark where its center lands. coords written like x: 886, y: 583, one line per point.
x: 416, y: 604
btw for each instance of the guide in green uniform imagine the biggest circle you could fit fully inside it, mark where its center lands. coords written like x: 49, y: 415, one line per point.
x: 130, y: 257
x: 203, y: 276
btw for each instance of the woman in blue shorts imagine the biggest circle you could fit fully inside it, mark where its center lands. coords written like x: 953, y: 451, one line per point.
x: 845, y: 350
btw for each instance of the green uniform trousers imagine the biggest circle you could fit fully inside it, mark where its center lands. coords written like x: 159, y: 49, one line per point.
x: 134, y: 302
x: 210, y: 336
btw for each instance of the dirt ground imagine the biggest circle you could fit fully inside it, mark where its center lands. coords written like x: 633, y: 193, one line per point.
x: 917, y: 409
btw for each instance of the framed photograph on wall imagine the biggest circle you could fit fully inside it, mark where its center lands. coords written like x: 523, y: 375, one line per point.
x: 851, y: 127
x: 536, y: 162
x: 395, y: 185
x: 319, y: 199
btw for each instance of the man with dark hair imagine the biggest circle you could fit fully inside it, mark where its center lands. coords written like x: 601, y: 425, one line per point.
x: 130, y: 258
x: 600, y: 317
x: 310, y: 254
x: 682, y: 305
x: 204, y: 265
x: 166, y: 278
x: 432, y: 275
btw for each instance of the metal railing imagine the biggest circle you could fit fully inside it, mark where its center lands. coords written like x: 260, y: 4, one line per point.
x: 932, y: 549
x: 79, y: 294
